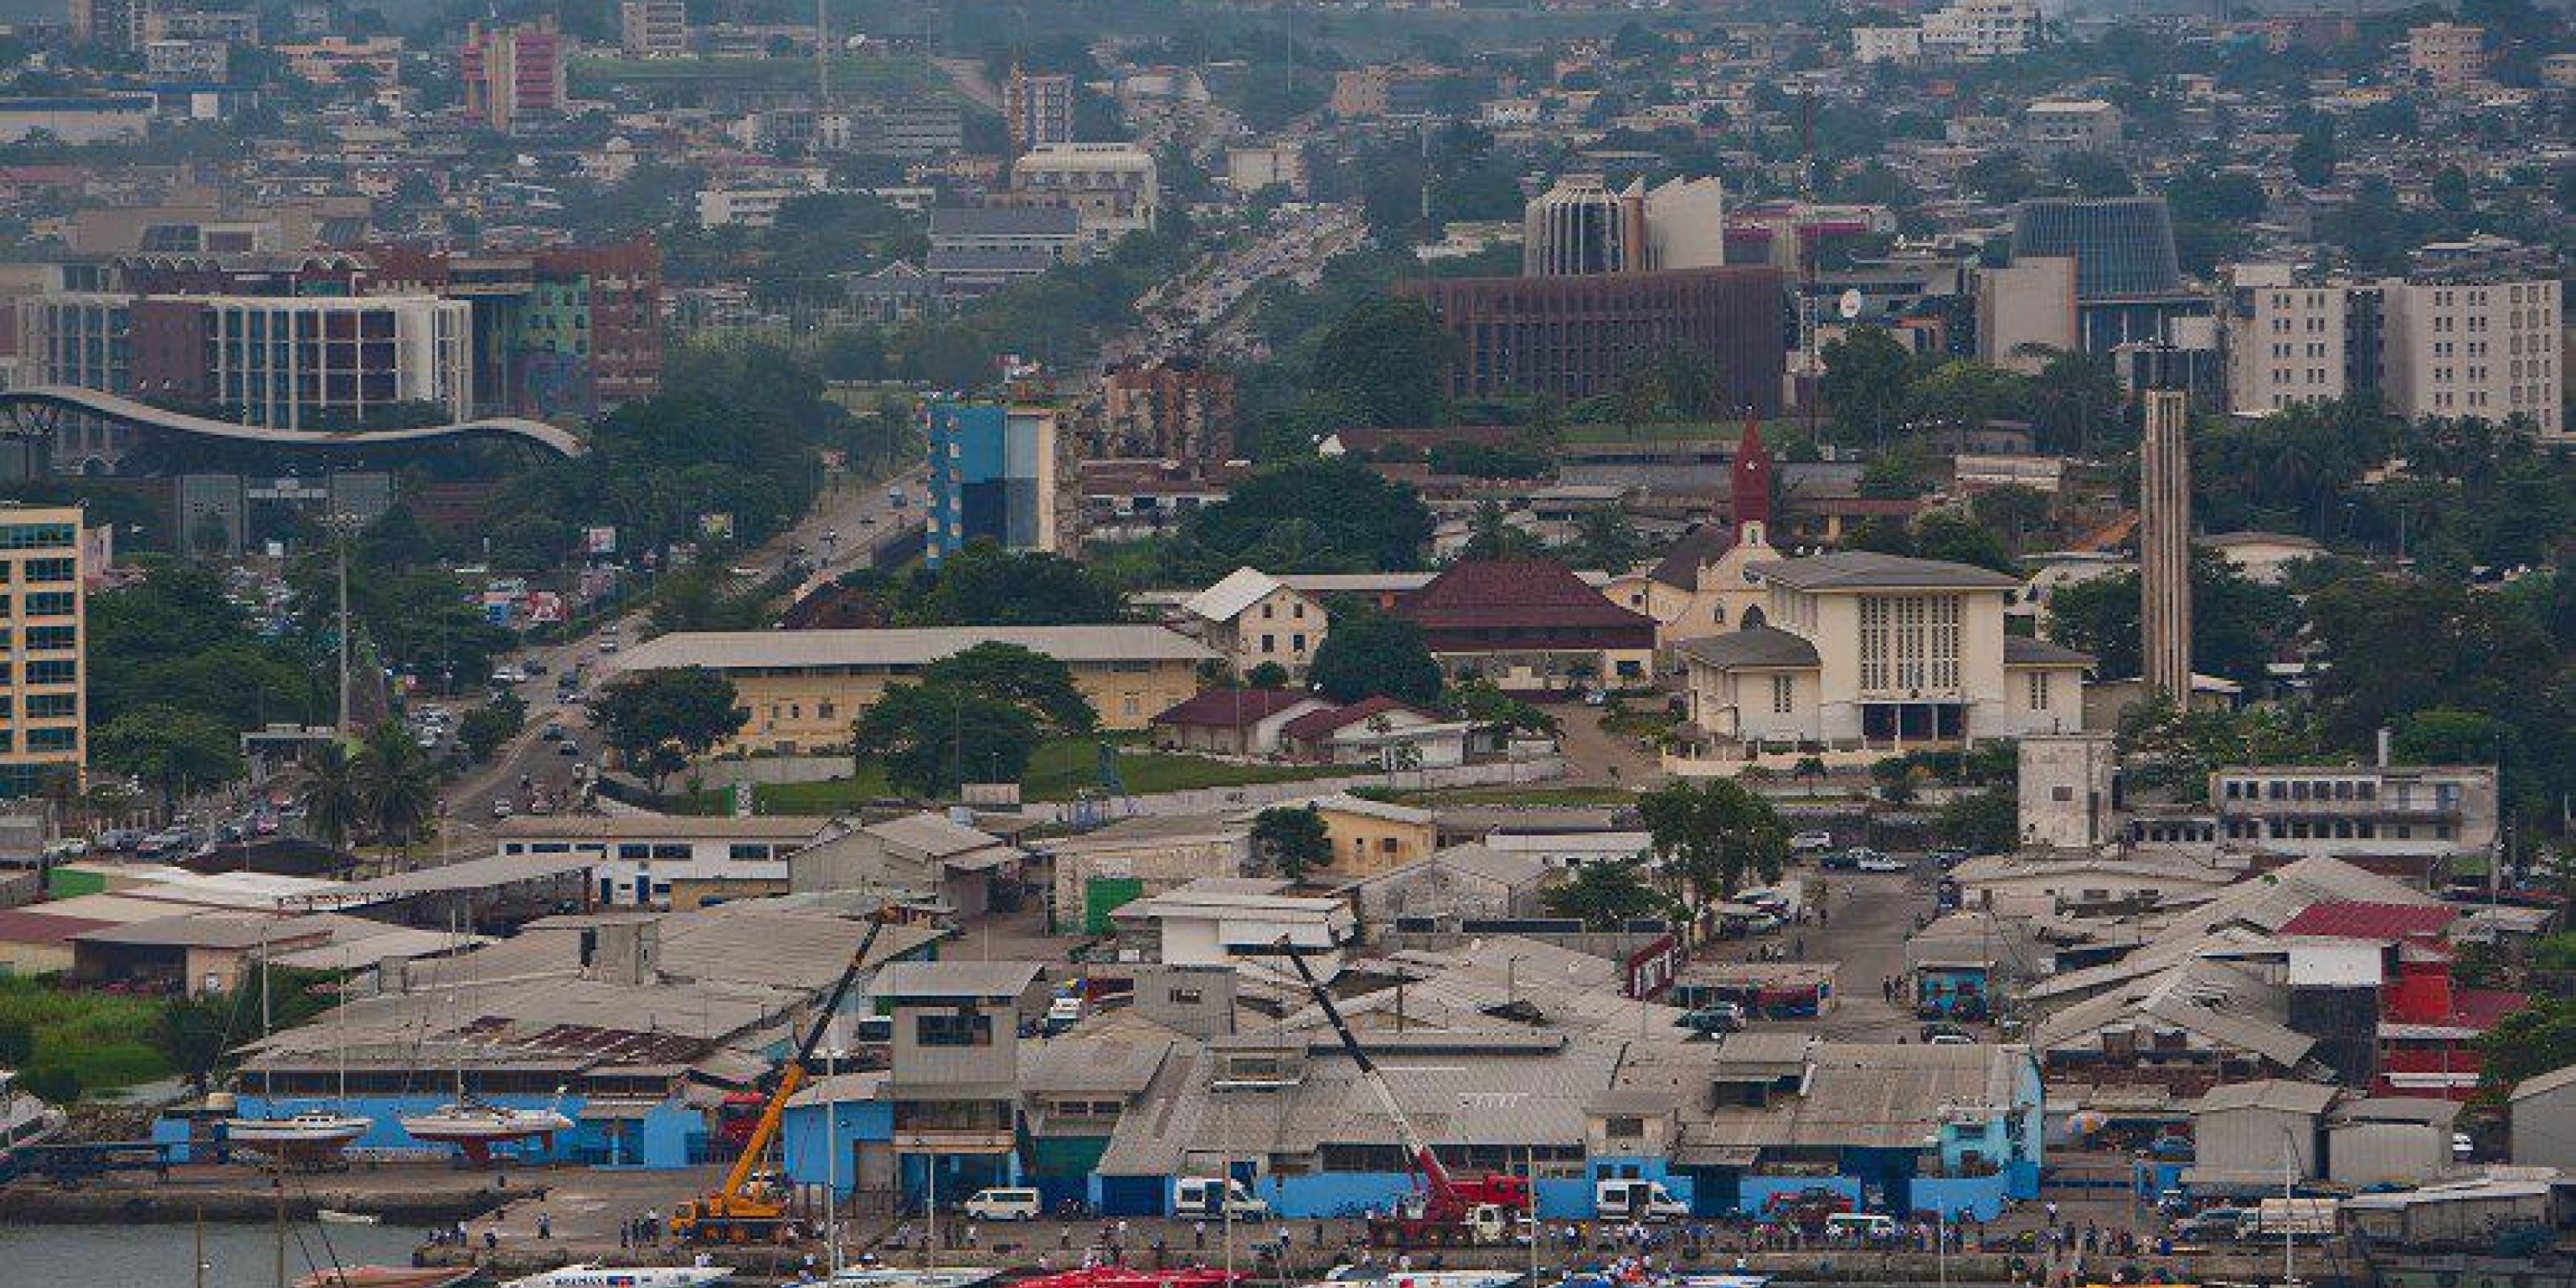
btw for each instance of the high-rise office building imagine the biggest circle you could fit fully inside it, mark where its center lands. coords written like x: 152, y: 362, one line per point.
x: 2128, y: 278
x: 43, y: 703
x: 1577, y: 336
x: 1580, y: 226
x: 512, y: 73
x: 992, y: 477
x: 1037, y: 109
x: 653, y: 29
x: 2488, y: 348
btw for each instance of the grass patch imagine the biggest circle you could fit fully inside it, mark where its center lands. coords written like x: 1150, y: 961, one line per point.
x: 102, y: 1038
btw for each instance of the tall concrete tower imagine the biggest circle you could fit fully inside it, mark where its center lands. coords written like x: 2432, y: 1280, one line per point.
x: 2164, y: 547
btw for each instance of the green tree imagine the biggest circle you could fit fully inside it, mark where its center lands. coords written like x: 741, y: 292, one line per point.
x: 486, y: 728
x: 1039, y: 684
x: 177, y: 753
x: 2014, y: 511
x: 2075, y: 402
x: 1292, y: 841
x: 1485, y: 703
x: 1957, y: 538
x: 1808, y: 769
x: 2237, y: 625
x: 1605, y: 539
x: 55, y: 1084
x: 1268, y: 675
x: 1492, y: 535
x: 2313, y: 157
x: 1604, y: 896
x: 17, y: 1043
x: 397, y: 788
x: 1981, y: 823
x: 1710, y: 836
x: 932, y: 738
x: 985, y: 585
x: 192, y: 1033
x: 658, y: 721
x: 1895, y: 777
x: 1864, y: 384
x: 1369, y: 653
x: 2537, y: 1039
x: 1310, y: 516
x: 332, y: 802
x: 1387, y: 357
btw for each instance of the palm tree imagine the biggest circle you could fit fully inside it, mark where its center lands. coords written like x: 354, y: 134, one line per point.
x: 333, y: 804
x: 1807, y: 768
x: 394, y: 785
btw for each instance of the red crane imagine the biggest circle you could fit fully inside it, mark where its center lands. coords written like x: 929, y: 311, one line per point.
x: 1478, y: 1209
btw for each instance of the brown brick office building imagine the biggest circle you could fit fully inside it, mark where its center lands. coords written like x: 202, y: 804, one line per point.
x: 1575, y: 337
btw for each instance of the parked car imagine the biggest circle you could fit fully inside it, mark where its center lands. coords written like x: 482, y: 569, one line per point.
x: 1717, y: 1017
x: 1811, y: 842
x: 1215, y: 1196
x: 1636, y: 1200
x: 1949, y: 856
x: 1003, y: 1205
x: 2214, y: 1225
x: 1873, y: 861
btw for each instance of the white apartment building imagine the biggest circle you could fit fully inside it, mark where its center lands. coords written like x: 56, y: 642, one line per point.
x: 2055, y: 126
x: 653, y: 29
x: 2485, y: 349
x: 2286, y: 340
x: 1886, y: 44
x: 1111, y: 186
x: 1971, y: 30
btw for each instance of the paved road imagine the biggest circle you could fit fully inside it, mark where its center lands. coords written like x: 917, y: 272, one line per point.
x: 837, y: 536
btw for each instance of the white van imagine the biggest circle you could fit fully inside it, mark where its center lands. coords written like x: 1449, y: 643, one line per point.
x: 1862, y: 1227
x: 1201, y: 1196
x: 1627, y: 1200
x: 1003, y: 1205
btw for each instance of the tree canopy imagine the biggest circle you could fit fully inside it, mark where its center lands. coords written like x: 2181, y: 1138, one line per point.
x: 660, y: 720
x: 1310, y: 516
x: 1368, y: 654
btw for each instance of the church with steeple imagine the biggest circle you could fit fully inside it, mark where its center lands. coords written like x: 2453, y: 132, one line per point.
x: 1699, y: 587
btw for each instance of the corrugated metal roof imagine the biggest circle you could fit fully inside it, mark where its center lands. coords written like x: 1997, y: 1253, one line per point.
x: 2381, y: 921
x: 789, y: 650
x: 954, y: 979
x: 2279, y: 1094
x: 1233, y: 593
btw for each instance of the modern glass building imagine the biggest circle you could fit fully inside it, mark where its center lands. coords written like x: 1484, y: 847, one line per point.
x: 992, y: 477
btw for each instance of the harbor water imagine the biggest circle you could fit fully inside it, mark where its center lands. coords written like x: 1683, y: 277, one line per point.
x: 157, y: 1256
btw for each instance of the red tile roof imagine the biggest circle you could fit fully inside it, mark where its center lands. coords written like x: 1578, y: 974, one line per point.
x: 1319, y: 724
x: 2482, y: 1008
x: 1514, y: 593
x: 27, y: 926
x: 2385, y: 922
x: 1232, y: 708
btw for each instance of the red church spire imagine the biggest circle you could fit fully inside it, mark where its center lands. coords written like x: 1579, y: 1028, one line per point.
x: 1751, y: 484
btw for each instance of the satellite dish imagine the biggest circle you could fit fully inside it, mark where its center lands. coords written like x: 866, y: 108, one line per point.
x: 1849, y: 305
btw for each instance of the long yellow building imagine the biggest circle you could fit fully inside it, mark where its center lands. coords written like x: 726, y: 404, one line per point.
x: 43, y: 683
x: 804, y: 689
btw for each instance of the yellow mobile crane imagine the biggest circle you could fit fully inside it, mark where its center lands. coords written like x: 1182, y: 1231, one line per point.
x: 749, y: 1207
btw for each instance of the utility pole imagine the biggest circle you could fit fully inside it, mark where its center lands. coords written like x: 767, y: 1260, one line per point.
x: 342, y: 525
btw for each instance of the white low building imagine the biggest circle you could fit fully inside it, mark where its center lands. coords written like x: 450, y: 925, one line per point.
x: 1856, y: 647
x: 1229, y: 921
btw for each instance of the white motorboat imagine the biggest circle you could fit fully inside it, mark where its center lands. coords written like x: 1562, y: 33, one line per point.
x: 593, y: 1275
x: 334, y: 1216
x: 1385, y: 1277
x: 314, y: 1133
x: 475, y: 1126
x: 890, y: 1277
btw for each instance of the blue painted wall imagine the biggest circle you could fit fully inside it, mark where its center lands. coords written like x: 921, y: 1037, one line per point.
x: 1982, y: 1197
x: 665, y: 1138
x: 810, y: 1156
x: 1757, y: 1190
